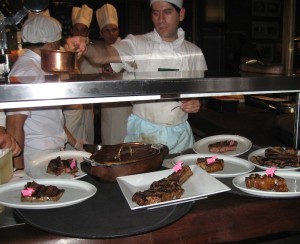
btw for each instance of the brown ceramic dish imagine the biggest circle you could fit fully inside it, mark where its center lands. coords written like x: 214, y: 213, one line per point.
x: 113, y: 161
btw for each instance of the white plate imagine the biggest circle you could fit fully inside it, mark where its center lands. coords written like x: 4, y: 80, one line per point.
x: 38, y: 170
x: 199, y: 185
x: 261, y: 152
x: 233, y: 166
x: 243, y: 145
x: 76, y: 191
x: 292, y: 181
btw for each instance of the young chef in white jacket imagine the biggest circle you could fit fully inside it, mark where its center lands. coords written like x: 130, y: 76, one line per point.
x: 38, y: 131
x: 80, y: 117
x: 164, y: 48
x: 114, y: 116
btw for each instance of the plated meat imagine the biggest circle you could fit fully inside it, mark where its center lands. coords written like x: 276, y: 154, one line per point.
x: 266, y: 183
x: 216, y: 165
x: 166, y: 189
x: 223, y: 146
x: 278, y: 157
x: 59, y: 166
x: 34, y: 192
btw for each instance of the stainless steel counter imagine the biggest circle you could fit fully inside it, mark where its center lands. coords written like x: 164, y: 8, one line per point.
x: 99, y: 88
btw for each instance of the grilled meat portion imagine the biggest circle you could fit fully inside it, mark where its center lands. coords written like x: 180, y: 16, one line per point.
x: 265, y: 183
x: 42, y: 193
x: 278, y: 157
x: 217, y: 165
x: 166, y: 189
x: 222, y: 146
x: 58, y: 166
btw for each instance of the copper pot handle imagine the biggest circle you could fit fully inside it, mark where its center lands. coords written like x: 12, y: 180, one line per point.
x: 118, y: 156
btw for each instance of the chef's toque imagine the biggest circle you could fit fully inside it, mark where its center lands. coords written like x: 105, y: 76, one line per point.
x: 82, y: 15
x: 41, y: 29
x: 106, y: 15
x: 178, y: 3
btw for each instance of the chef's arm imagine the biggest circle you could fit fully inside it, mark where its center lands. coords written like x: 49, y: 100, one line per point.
x: 190, y: 105
x: 104, y: 54
x: 15, y: 127
x: 76, y: 143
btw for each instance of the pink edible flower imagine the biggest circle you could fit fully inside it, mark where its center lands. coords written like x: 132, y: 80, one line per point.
x: 28, y: 192
x: 178, y: 166
x: 211, y: 160
x: 270, y: 171
x: 73, y: 164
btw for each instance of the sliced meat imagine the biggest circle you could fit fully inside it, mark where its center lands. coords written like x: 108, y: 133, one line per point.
x: 166, y: 189
x: 42, y: 193
x: 265, y: 183
x: 223, y: 146
x: 217, y: 165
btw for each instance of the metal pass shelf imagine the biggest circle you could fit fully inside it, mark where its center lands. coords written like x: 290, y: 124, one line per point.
x: 64, y: 89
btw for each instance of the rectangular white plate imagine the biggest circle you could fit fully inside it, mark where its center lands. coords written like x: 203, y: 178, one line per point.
x: 199, y: 185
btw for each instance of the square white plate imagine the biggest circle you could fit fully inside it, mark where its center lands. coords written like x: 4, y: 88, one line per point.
x: 199, y: 185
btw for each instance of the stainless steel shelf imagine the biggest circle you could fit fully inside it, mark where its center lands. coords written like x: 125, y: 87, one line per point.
x: 100, y: 88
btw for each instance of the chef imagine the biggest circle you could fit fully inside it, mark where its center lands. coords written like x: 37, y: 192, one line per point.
x: 165, y: 48
x: 80, y: 117
x: 113, y: 115
x: 6, y: 140
x: 38, y: 131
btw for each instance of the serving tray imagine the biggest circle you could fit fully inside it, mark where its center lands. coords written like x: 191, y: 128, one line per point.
x: 105, y: 215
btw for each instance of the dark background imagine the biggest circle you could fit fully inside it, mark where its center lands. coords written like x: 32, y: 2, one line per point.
x: 224, y: 29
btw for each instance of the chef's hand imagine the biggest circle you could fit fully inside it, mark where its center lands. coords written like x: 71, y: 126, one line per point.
x: 79, y: 145
x: 190, y: 105
x: 76, y: 44
x: 7, y: 141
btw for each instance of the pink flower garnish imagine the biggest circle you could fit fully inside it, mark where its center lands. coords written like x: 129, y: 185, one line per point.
x: 211, y: 160
x: 73, y: 164
x: 178, y: 166
x: 28, y: 192
x: 270, y: 171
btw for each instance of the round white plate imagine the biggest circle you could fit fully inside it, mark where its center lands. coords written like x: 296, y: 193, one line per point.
x: 243, y: 145
x: 38, y: 168
x: 261, y: 152
x: 233, y: 166
x: 292, y: 181
x: 76, y: 191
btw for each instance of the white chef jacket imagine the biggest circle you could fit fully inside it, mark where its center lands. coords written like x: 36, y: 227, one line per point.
x: 79, y: 118
x: 113, y: 115
x: 149, y: 53
x: 44, y: 132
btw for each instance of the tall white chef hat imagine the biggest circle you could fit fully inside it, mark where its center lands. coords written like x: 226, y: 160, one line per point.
x: 178, y: 3
x: 82, y: 15
x: 106, y: 15
x: 41, y: 29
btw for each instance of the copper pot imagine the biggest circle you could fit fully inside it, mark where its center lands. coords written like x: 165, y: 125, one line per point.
x: 57, y: 61
x: 113, y: 161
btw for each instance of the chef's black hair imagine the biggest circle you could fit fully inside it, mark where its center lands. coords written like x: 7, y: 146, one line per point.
x: 176, y: 7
